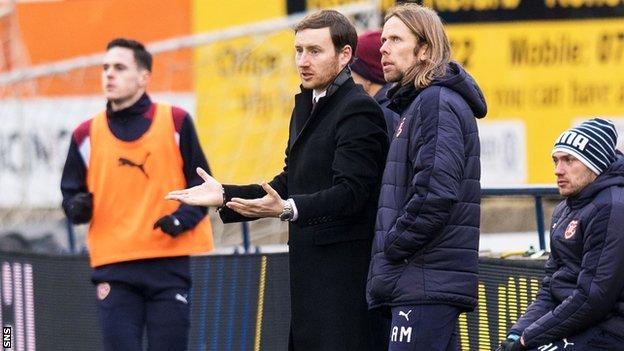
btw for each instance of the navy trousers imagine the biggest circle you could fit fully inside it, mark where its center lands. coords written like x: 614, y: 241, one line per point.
x: 416, y: 328
x: 147, y: 295
x: 593, y: 339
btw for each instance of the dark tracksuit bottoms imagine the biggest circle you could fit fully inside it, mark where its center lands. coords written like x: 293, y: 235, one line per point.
x: 416, y: 328
x: 152, y: 292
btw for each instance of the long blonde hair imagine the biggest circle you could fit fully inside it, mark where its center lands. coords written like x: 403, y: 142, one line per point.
x: 429, y: 30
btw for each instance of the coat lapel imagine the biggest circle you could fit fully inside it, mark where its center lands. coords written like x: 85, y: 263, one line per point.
x: 304, y: 116
x: 301, y: 115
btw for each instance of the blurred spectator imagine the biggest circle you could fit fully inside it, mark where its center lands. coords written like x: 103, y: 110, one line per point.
x: 367, y: 71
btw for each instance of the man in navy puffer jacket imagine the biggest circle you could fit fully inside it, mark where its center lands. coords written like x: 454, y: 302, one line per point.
x: 580, y: 304
x: 424, y: 266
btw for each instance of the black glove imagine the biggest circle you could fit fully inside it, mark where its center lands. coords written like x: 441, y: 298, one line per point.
x: 170, y: 225
x: 80, y: 208
x: 511, y: 345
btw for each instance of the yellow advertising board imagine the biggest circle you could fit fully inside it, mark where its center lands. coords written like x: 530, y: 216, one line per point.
x: 244, y: 89
x: 544, y: 66
x: 547, y: 75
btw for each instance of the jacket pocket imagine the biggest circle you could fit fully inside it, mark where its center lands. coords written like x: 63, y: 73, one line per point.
x: 383, y: 277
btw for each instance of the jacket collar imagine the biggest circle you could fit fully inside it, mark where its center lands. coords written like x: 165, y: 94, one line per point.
x: 382, y: 95
x: 340, y: 80
x: 613, y: 176
x: 455, y: 78
x: 303, y: 113
x: 303, y: 100
x: 139, y: 108
x: 401, y: 96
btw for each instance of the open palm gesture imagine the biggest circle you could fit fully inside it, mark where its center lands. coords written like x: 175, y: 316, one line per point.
x: 209, y: 193
x: 270, y: 205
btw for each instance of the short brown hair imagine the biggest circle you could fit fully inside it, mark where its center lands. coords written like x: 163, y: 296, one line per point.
x: 341, y: 29
x: 429, y: 30
x: 142, y: 57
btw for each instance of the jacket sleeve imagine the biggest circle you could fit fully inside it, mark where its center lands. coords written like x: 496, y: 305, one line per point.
x: 599, y: 283
x: 193, y: 157
x: 437, y: 161
x: 280, y: 182
x: 251, y: 191
x: 359, y: 159
x: 74, y: 177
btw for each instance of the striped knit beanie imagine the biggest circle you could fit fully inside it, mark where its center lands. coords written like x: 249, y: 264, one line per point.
x: 592, y: 142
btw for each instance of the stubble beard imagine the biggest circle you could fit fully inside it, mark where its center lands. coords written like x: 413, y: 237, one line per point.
x: 575, y: 188
x: 393, y: 76
x: 325, y: 79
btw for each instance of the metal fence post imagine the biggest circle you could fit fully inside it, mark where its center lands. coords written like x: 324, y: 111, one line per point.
x: 539, y: 217
x: 245, y: 233
x: 71, y: 236
x: 537, y: 192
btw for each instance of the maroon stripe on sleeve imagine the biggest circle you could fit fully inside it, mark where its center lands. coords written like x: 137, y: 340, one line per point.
x: 178, y: 117
x: 82, y: 132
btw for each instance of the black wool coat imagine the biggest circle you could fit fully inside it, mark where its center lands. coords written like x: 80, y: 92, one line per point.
x: 334, y: 162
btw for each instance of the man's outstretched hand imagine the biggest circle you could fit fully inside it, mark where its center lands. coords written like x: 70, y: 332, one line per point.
x: 270, y: 205
x: 210, y: 193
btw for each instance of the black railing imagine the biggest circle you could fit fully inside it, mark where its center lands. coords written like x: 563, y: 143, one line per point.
x: 537, y: 192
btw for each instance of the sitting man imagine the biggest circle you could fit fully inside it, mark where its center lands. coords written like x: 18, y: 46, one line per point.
x: 580, y: 304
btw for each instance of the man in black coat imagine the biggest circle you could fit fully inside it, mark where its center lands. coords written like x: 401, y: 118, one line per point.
x: 580, y: 304
x: 327, y: 190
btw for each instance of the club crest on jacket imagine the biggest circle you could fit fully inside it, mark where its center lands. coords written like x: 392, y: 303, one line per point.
x: 103, y: 289
x: 571, y: 229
